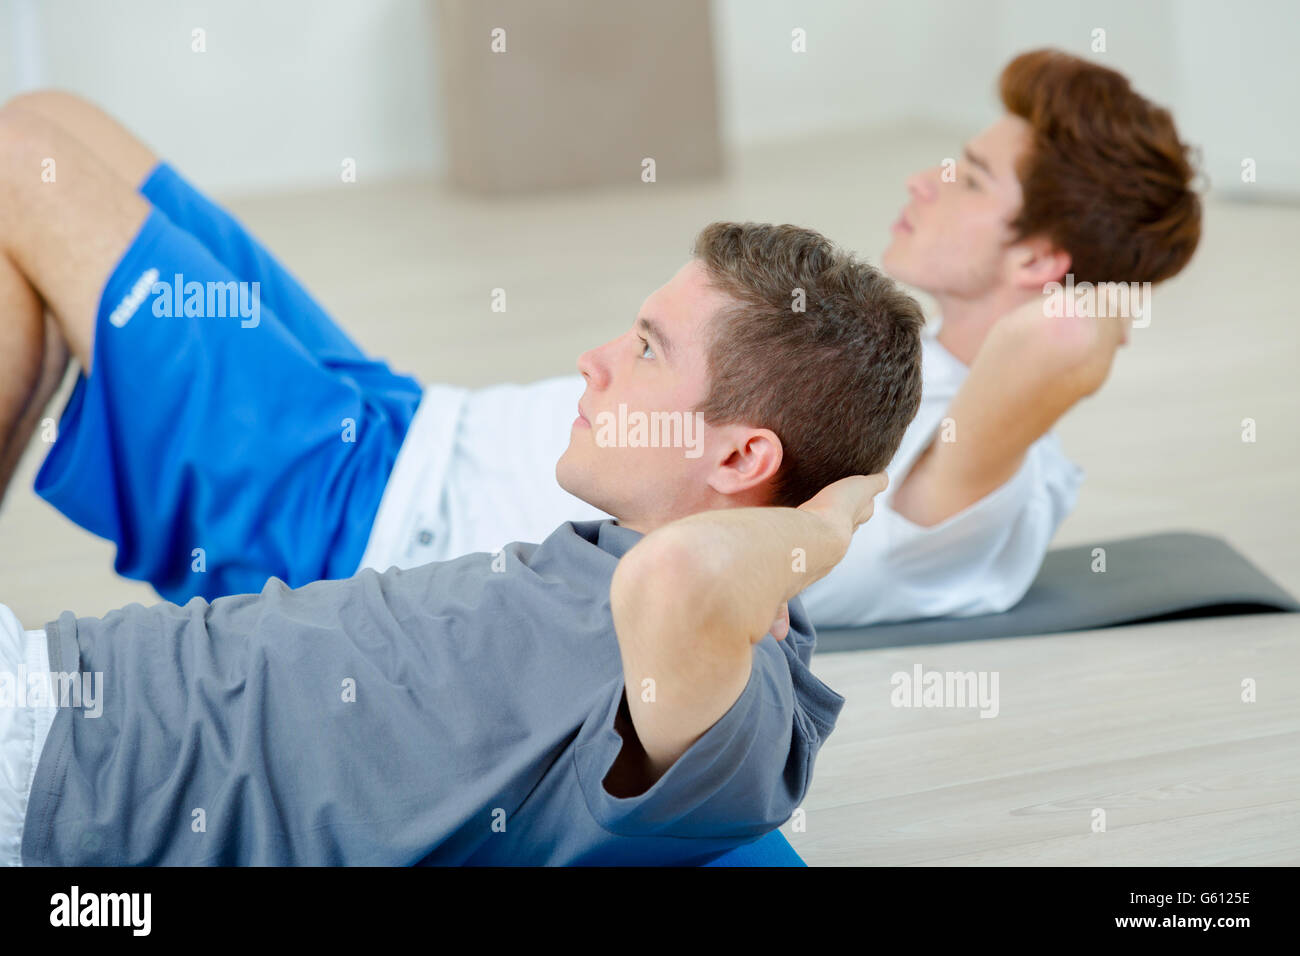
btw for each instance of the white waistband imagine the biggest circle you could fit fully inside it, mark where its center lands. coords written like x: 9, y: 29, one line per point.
x: 23, y: 729
x: 412, y: 496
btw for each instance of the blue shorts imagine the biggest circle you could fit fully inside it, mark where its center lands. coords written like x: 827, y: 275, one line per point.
x: 220, y: 449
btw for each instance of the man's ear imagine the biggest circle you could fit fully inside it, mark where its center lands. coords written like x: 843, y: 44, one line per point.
x: 1035, y: 262
x: 750, y: 460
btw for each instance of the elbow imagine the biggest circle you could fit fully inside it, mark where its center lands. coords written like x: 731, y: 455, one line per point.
x: 1079, y: 351
x: 659, y: 573
x: 915, y: 502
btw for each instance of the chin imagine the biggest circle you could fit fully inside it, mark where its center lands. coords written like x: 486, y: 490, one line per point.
x: 564, y: 474
x: 901, y: 270
x: 893, y: 261
x: 890, y: 259
x: 577, y: 481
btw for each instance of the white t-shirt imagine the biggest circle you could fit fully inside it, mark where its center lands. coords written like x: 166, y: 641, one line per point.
x: 477, y: 470
x: 981, y: 560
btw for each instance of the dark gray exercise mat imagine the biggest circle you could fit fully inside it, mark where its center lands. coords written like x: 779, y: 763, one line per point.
x: 1150, y: 578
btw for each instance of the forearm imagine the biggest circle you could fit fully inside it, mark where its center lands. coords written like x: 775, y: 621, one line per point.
x: 744, y: 562
x: 690, y: 600
x: 993, y: 429
x: 1024, y: 378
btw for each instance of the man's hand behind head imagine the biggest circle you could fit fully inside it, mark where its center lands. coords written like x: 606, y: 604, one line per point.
x: 847, y: 504
x: 1075, y: 348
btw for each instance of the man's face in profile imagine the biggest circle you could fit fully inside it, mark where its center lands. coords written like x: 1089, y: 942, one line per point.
x: 951, y: 239
x: 657, y: 365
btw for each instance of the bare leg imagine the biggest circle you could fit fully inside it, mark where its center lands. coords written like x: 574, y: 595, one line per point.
x: 53, y: 366
x: 22, y: 352
x: 112, y: 143
x: 62, y: 239
x: 64, y: 236
x: 33, y: 353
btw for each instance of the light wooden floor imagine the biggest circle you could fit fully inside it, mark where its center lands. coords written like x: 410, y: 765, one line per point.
x: 1145, y: 723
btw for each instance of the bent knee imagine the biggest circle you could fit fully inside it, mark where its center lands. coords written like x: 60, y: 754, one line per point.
x: 26, y: 142
x: 103, y: 136
x: 48, y: 102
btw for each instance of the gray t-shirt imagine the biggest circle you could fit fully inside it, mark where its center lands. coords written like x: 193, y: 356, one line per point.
x: 457, y: 713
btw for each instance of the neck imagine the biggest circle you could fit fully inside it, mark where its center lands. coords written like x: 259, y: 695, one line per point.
x: 633, y: 525
x: 713, y: 501
x: 967, y: 321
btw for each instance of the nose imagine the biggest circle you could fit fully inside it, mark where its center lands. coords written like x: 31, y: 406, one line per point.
x: 922, y: 184
x: 593, y: 366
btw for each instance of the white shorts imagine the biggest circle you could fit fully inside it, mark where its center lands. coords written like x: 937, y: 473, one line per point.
x: 25, y: 718
x: 477, y: 471
x: 501, y: 484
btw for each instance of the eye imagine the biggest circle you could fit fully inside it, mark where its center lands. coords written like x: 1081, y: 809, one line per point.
x: 645, y: 347
x: 970, y: 182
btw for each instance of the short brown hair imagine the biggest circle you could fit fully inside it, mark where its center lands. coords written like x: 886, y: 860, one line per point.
x: 1107, y: 179
x: 838, y: 382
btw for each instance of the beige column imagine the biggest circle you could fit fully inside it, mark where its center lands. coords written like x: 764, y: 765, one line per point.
x: 543, y: 94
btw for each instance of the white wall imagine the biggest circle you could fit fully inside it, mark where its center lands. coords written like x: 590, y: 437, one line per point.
x: 867, y: 64
x: 1239, y: 91
x: 1226, y: 69
x: 288, y: 88
x: 285, y: 90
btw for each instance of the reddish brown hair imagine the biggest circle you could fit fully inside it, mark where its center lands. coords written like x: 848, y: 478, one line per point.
x: 1106, y: 179
x: 838, y: 382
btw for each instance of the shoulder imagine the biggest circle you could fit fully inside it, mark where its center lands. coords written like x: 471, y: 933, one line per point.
x: 941, y: 371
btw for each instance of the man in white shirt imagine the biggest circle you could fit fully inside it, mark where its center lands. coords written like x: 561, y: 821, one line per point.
x: 1081, y: 177
x: 979, y: 486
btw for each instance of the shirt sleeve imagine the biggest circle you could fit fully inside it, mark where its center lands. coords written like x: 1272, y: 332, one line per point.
x: 742, y: 778
x: 981, y: 560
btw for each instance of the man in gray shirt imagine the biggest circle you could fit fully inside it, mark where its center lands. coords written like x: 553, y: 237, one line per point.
x: 634, y: 690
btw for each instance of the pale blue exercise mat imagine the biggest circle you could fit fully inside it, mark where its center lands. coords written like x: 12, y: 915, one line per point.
x: 1157, y: 577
